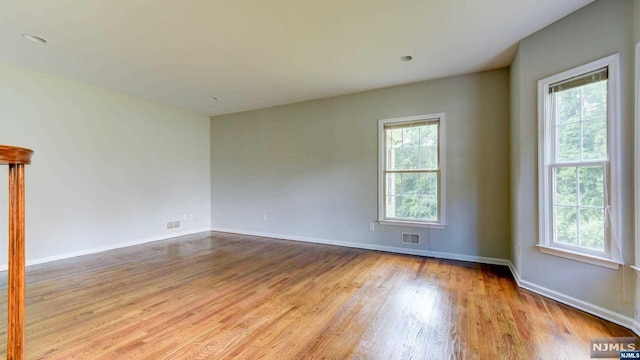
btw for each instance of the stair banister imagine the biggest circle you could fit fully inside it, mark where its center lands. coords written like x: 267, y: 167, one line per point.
x: 16, y: 158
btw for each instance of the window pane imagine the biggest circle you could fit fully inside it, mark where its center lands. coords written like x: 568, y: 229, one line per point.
x: 594, y: 139
x: 412, y: 148
x: 568, y: 139
x: 410, y: 184
x: 410, y: 157
x: 591, y: 185
x: 428, y: 208
x: 428, y: 184
x: 394, y: 149
x: 393, y: 184
x: 412, y: 196
x: 429, y: 145
x: 594, y: 100
x: 393, y: 207
x: 592, y: 229
x: 411, y: 136
x: 568, y: 106
x: 407, y: 194
x: 396, y: 183
x: 431, y: 208
x: 410, y: 207
x: 429, y: 157
x: 396, y: 138
x: 566, y: 222
x: 429, y: 135
x: 566, y: 186
x: 422, y: 207
x: 396, y: 161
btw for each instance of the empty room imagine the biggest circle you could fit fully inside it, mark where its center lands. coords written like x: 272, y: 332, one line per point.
x: 413, y: 179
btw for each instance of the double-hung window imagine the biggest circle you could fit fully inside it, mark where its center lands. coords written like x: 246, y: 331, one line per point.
x: 578, y: 164
x: 411, y: 171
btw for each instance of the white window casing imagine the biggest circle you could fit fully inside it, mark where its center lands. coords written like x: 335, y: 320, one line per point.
x: 637, y: 161
x: 391, y: 150
x: 553, y: 168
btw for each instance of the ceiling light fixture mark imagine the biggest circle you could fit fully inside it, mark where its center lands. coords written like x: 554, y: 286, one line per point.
x: 35, y: 39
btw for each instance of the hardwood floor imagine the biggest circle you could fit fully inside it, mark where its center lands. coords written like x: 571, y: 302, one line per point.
x: 224, y: 296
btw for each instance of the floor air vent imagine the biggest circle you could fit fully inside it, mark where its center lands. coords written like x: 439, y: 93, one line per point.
x: 410, y: 238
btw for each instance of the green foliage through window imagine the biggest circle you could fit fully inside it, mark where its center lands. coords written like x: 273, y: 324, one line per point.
x: 580, y: 115
x: 412, y: 171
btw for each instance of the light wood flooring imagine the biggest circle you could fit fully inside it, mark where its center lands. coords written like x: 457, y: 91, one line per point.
x: 224, y: 296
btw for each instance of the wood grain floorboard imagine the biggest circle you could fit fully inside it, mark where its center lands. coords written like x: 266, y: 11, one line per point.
x: 225, y: 296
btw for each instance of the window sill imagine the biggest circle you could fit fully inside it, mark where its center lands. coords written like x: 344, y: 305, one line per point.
x: 589, y: 259
x: 636, y: 268
x: 411, y: 224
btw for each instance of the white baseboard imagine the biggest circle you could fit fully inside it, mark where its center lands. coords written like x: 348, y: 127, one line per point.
x: 592, y: 309
x: 391, y: 249
x: 515, y: 273
x: 606, y: 314
x: 107, y: 248
x: 635, y: 327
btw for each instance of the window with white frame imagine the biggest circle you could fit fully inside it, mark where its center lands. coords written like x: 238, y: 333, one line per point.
x: 411, y: 171
x: 578, y: 181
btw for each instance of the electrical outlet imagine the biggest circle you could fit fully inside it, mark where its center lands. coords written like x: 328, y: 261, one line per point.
x: 372, y: 226
x: 173, y: 224
x: 264, y: 217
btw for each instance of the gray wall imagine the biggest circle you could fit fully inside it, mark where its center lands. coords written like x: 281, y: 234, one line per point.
x: 311, y: 167
x: 636, y: 22
x: 518, y: 180
x: 598, y: 30
x: 108, y: 169
x: 636, y: 40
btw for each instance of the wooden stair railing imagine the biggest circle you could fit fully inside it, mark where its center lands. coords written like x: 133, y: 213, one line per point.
x: 16, y: 158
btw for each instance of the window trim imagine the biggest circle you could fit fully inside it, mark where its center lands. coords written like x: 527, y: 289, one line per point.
x: 612, y: 257
x: 636, y: 160
x: 441, y: 224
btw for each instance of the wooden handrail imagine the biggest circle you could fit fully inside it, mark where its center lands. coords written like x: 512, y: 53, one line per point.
x: 16, y: 158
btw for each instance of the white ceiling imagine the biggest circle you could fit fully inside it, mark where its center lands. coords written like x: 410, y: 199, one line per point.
x: 255, y: 53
